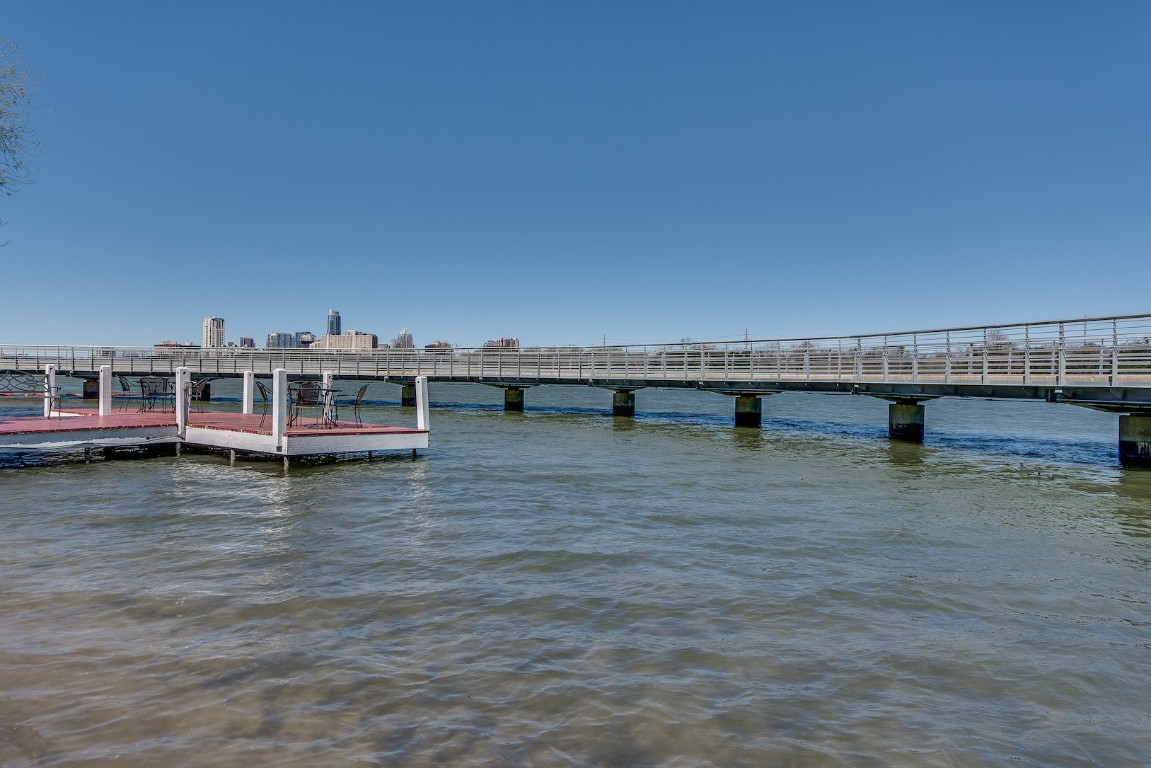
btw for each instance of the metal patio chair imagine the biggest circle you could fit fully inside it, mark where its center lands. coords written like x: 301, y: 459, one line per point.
x: 154, y: 390
x: 351, y: 402
x: 196, y: 393
x: 308, y: 394
x: 265, y: 400
x: 125, y: 392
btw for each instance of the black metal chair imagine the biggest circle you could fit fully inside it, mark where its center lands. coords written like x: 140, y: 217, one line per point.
x: 353, y: 403
x: 125, y: 392
x: 266, y: 398
x: 196, y: 393
x: 154, y: 389
x: 308, y: 394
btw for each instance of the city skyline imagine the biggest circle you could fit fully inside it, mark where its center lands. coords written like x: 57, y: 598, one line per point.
x: 581, y: 173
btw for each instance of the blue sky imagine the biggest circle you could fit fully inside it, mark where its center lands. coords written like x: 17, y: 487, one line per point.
x: 563, y: 172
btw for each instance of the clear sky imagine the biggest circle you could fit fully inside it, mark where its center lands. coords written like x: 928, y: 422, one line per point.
x: 563, y: 172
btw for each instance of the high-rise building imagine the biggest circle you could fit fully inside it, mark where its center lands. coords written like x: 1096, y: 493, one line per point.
x: 404, y: 340
x: 247, y: 341
x: 213, y: 332
x: 281, y: 340
x: 333, y: 322
x: 304, y: 339
x: 349, y: 340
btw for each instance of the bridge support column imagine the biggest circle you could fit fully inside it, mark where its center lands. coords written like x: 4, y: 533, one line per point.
x: 623, y: 402
x: 408, y: 394
x: 513, y: 399
x: 91, y: 389
x: 748, y: 411
x: 905, y: 421
x: 1135, y: 440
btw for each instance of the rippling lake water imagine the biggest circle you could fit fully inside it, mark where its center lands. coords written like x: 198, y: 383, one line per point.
x: 563, y: 588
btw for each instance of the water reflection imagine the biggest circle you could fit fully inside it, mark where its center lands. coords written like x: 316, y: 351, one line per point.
x: 623, y: 423
x: 1134, y: 502
x: 904, y: 454
x: 747, y: 438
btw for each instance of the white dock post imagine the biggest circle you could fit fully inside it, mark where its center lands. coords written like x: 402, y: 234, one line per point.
x: 183, y: 394
x: 249, y: 393
x: 105, y: 390
x: 422, y: 402
x: 49, y: 389
x: 326, y: 382
x: 279, y: 406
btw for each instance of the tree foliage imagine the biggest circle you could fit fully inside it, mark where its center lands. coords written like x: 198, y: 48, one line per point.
x: 16, y: 140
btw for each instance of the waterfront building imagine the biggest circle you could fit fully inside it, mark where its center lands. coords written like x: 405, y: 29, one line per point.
x: 333, y: 323
x: 281, y: 340
x: 350, y: 340
x: 213, y: 332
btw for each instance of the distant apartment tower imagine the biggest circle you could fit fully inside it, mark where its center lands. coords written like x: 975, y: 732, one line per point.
x: 281, y: 340
x: 333, y: 322
x: 404, y: 340
x: 349, y: 340
x: 213, y: 332
x: 247, y: 341
x: 305, y: 339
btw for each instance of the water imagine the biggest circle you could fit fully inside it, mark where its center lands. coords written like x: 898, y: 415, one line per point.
x: 561, y: 588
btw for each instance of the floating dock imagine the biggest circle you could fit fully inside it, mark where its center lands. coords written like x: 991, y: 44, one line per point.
x: 63, y: 428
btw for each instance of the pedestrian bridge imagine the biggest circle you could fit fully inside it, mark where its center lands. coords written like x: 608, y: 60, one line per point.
x: 1097, y: 362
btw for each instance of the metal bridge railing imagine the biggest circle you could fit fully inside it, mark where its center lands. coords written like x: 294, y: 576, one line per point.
x: 1108, y: 351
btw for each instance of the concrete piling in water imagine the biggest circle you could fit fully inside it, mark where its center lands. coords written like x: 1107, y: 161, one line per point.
x: 513, y: 399
x: 623, y: 402
x: 1135, y: 440
x: 91, y: 389
x: 408, y: 395
x: 905, y: 421
x: 748, y: 411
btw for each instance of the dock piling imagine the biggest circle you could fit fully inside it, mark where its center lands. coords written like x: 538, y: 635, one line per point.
x: 905, y: 420
x: 514, y: 399
x: 1135, y: 440
x: 748, y: 411
x: 623, y: 402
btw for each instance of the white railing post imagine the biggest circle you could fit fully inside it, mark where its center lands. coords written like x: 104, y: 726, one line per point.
x: 1114, y: 353
x: 986, y: 354
x: 1026, y: 355
x: 183, y: 398
x: 105, y: 390
x: 947, y: 361
x: 279, y: 406
x: 915, y: 358
x: 422, y: 407
x: 49, y: 389
x: 249, y: 391
x: 326, y: 378
x: 1061, y: 374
